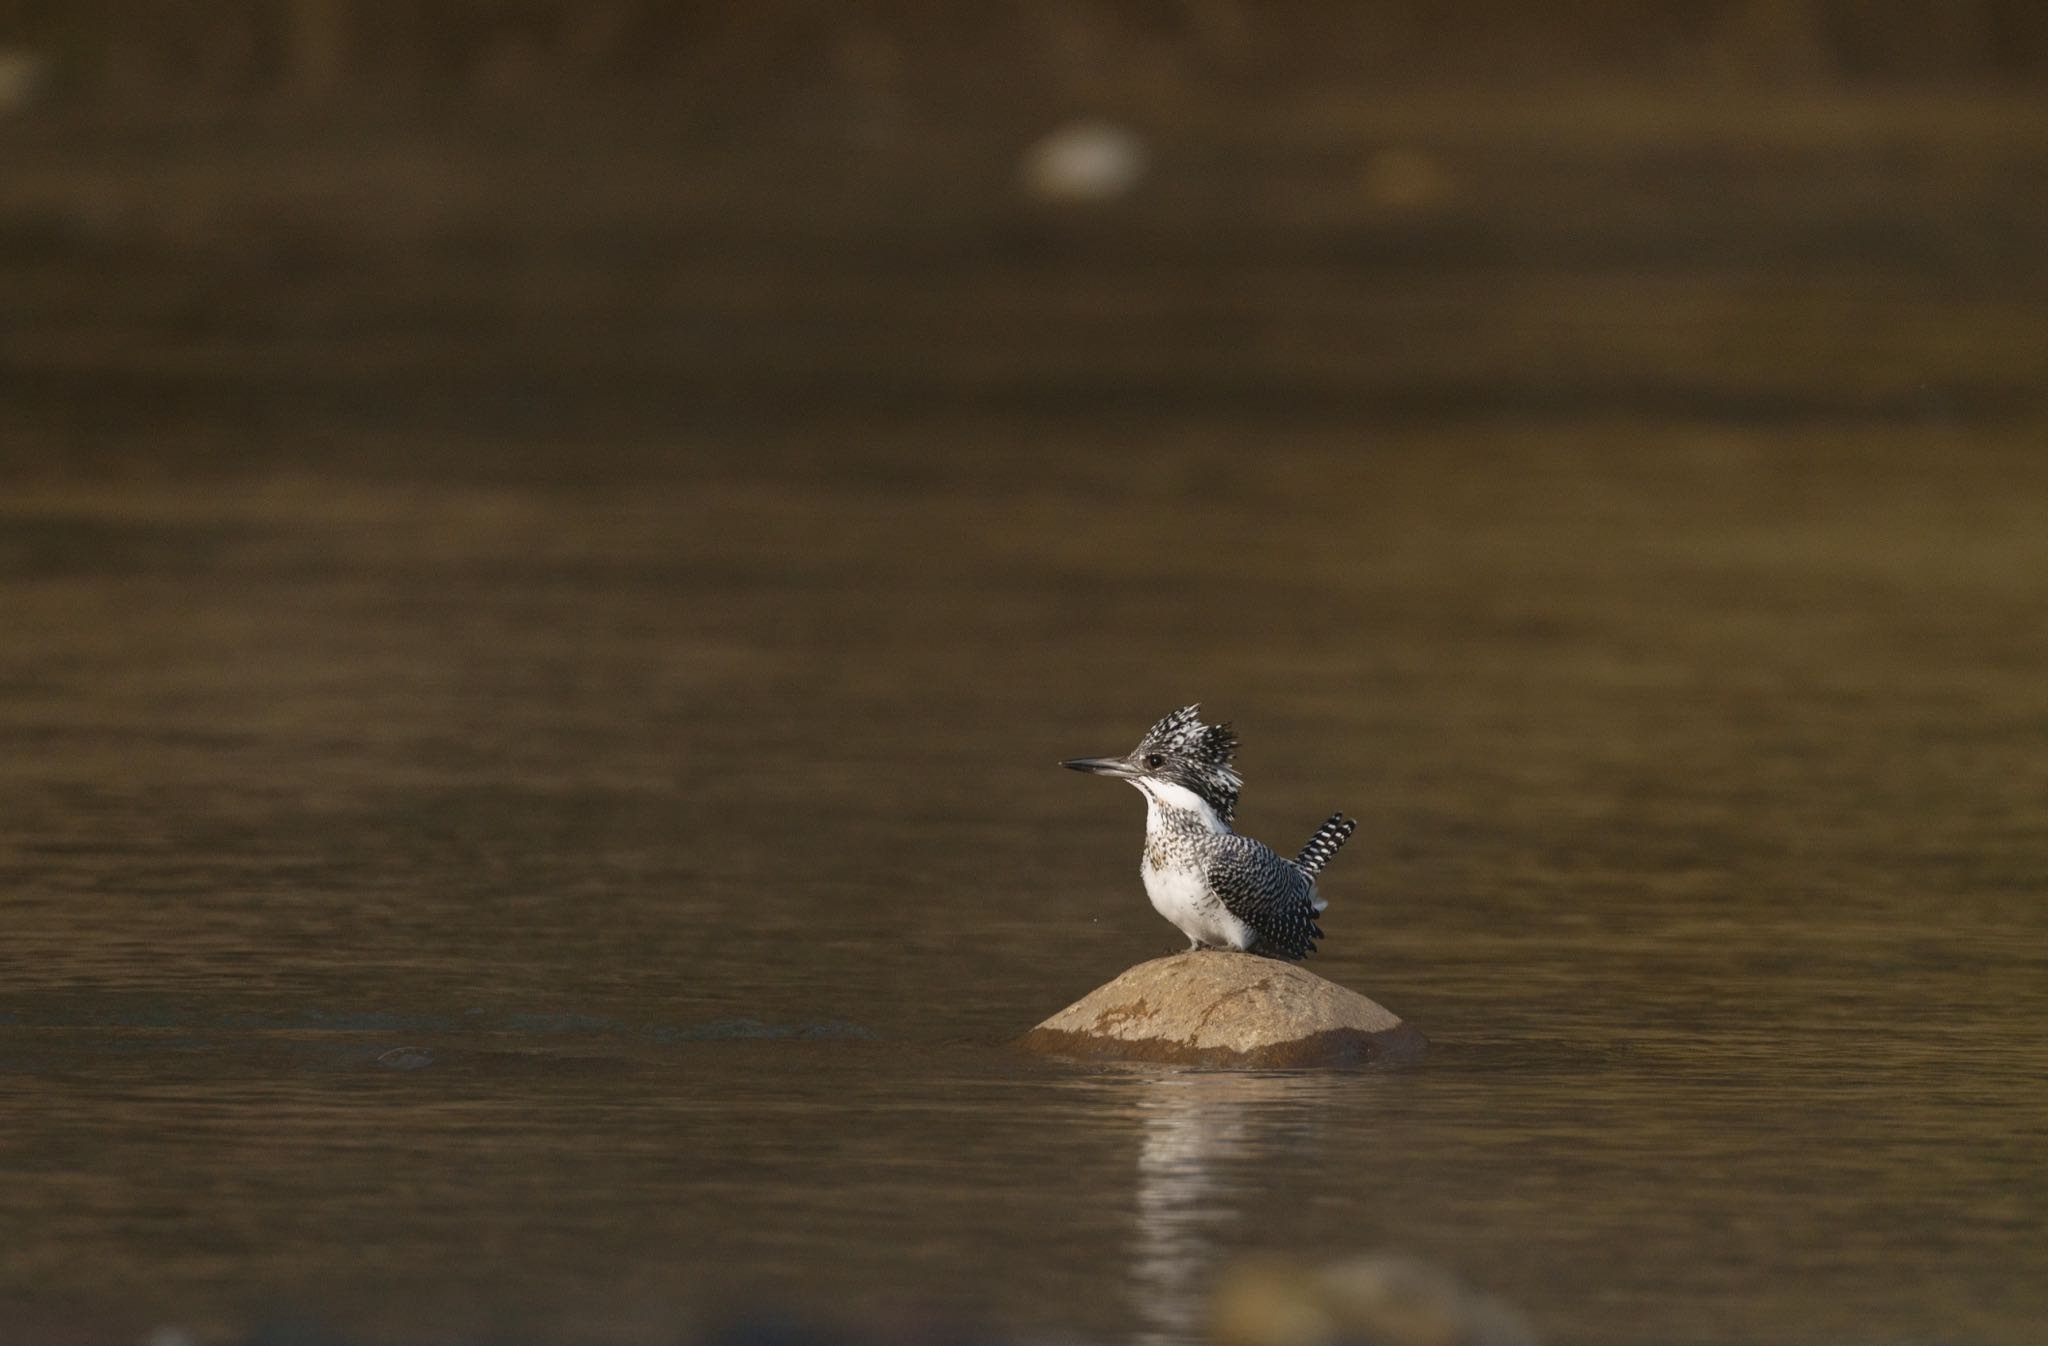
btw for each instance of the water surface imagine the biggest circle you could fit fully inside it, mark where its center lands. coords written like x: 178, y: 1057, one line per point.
x: 528, y: 723
x: 696, y: 843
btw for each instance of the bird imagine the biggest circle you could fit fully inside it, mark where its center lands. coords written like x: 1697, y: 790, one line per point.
x: 1223, y: 890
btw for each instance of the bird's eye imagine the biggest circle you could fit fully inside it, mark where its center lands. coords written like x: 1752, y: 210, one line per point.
x: 1154, y: 761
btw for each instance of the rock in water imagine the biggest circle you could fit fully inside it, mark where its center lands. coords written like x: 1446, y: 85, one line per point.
x: 1210, y: 1007
x: 1382, y: 1299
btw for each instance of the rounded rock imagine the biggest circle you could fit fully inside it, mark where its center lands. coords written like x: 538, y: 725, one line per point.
x: 1210, y: 1007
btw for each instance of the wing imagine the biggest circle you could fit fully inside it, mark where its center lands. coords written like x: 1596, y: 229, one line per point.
x: 1271, y: 895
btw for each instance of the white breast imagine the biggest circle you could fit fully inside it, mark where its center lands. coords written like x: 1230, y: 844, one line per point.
x: 1180, y: 893
x: 1183, y: 897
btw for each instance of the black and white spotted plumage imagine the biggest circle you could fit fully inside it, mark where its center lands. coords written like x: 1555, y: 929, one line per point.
x: 1271, y: 894
x: 1323, y: 845
x: 1223, y: 890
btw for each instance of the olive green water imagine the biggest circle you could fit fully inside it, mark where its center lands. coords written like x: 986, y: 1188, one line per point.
x: 476, y: 859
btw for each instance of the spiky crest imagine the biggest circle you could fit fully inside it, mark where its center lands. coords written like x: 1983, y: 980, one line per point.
x: 1196, y: 755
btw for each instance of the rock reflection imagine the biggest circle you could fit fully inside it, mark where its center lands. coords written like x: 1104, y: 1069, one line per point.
x: 1206, y: 1137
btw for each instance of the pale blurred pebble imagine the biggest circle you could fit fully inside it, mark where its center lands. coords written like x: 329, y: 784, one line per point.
x: 170, y: 1336
x: 1091, y: 160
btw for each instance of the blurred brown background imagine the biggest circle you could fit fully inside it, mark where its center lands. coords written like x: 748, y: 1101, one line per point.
x: 471, y: 217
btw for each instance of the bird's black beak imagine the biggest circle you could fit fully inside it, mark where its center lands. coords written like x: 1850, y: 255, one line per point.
x: 1101, y: 766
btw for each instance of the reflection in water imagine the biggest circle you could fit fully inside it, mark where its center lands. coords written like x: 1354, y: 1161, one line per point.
x: 1206, y: 1135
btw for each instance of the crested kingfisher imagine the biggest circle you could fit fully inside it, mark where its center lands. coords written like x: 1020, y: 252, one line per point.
x: 1224, y: 891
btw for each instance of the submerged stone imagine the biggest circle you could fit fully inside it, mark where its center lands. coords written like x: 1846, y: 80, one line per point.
x: 1210, y: 1007
x: 1381, y: 1299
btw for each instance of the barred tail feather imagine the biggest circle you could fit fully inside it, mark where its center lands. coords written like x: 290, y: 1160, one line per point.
x: 1325, y: 842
